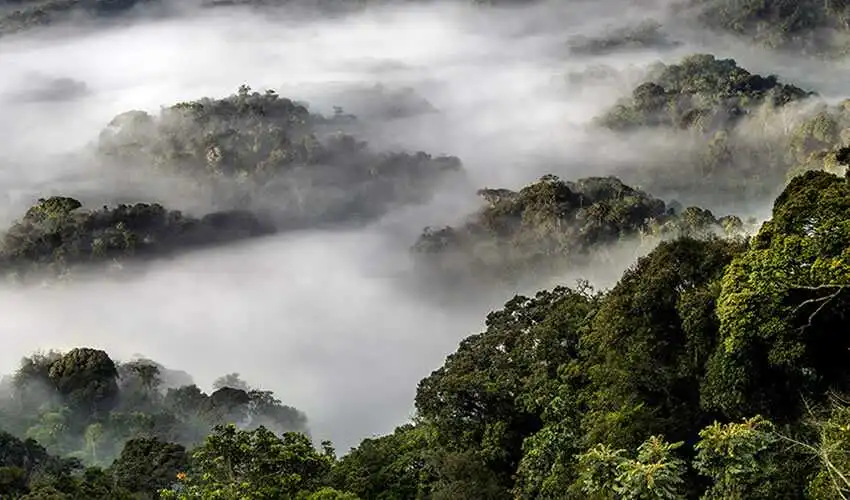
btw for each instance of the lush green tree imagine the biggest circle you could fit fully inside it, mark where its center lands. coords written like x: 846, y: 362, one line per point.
x: 650, y: 342
x: 327, y: 493
x: 746, y: 460
x: 782, y: 304
x: 87, y: 380
x: 82, y: 405
x: 18, y: 460
x: 257, y: 464
x: 488, y: 396
x: 655, y: 473
x: 830, y: 446
x: 548, y: 466
x: 147, y: 465
x: 27, y: 470
x: 399, y: 465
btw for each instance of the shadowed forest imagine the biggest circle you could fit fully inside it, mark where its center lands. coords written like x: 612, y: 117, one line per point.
x: 410, y: 249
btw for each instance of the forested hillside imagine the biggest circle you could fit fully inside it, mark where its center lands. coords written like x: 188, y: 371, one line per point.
x: 260, y: 150
x: 716, y: 366
x: 809, y: 27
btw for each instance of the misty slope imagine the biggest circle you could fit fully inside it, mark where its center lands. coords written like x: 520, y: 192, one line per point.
x: 279, y: 166
x: 331, y: 316
x: 699, y: 92
x: 710, y: 370
x: 21, y: 15
x: 647, y: 34
x: 80, y: 409
x: 263, y: 151
x: 806, y: 26
x: 552, y: 225
x: 740, y: 127
x: 60, y: 399
x: 55, y: 236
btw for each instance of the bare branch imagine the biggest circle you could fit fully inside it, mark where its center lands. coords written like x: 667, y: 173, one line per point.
x: 823, y: 301
x: 823, y: 455
x: 818, y: 287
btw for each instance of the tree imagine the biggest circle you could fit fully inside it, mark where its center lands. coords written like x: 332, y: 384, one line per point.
x: 829, y: 446
x: 745, y: 460
x: 51, y: 429
x: 148, y: 465
x: 148, y: 374
x: 488, y: 396
x: 93, y: 437
x: 399, y: 465
x: 139, y: 384
x: 656, y: 473
x: 53, y: 208
x: 18, y: 460
x: 87, y: 380
x: 54, y: 237
x: 275, y: 148
x: 650, y: 342
x: 258, y: 464
x: 31, y: 383
x: 716, y: 91
x: 266, y: 410
x: 781, y: 304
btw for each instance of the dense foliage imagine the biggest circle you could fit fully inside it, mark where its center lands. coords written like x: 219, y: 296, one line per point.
x: 742, y: 134
x: 803, y: 26
x: 820, y: 142
x: 807, y: 26
x: 552, y: 224
x: 83, y: 404
x: 700, y: 92
x: 55, y: 235
x: 717, y: 346
x: 715, y: 368
x: 260, y: 150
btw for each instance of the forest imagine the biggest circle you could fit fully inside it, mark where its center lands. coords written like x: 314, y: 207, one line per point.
x: 713, y: 367
x: 808, y: 26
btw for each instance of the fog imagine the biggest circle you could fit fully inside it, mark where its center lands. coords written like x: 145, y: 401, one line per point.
x: 329, y: 320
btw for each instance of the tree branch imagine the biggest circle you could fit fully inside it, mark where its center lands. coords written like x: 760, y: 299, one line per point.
x: 823, y: 301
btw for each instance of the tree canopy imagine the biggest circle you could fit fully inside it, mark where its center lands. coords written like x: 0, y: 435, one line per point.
x: 262, y: 151
x: 717, y: 366
x: 55, y: 236
x: 552, y: 224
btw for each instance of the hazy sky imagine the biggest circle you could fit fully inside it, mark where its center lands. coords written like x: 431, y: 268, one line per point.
x: 321, y: 318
